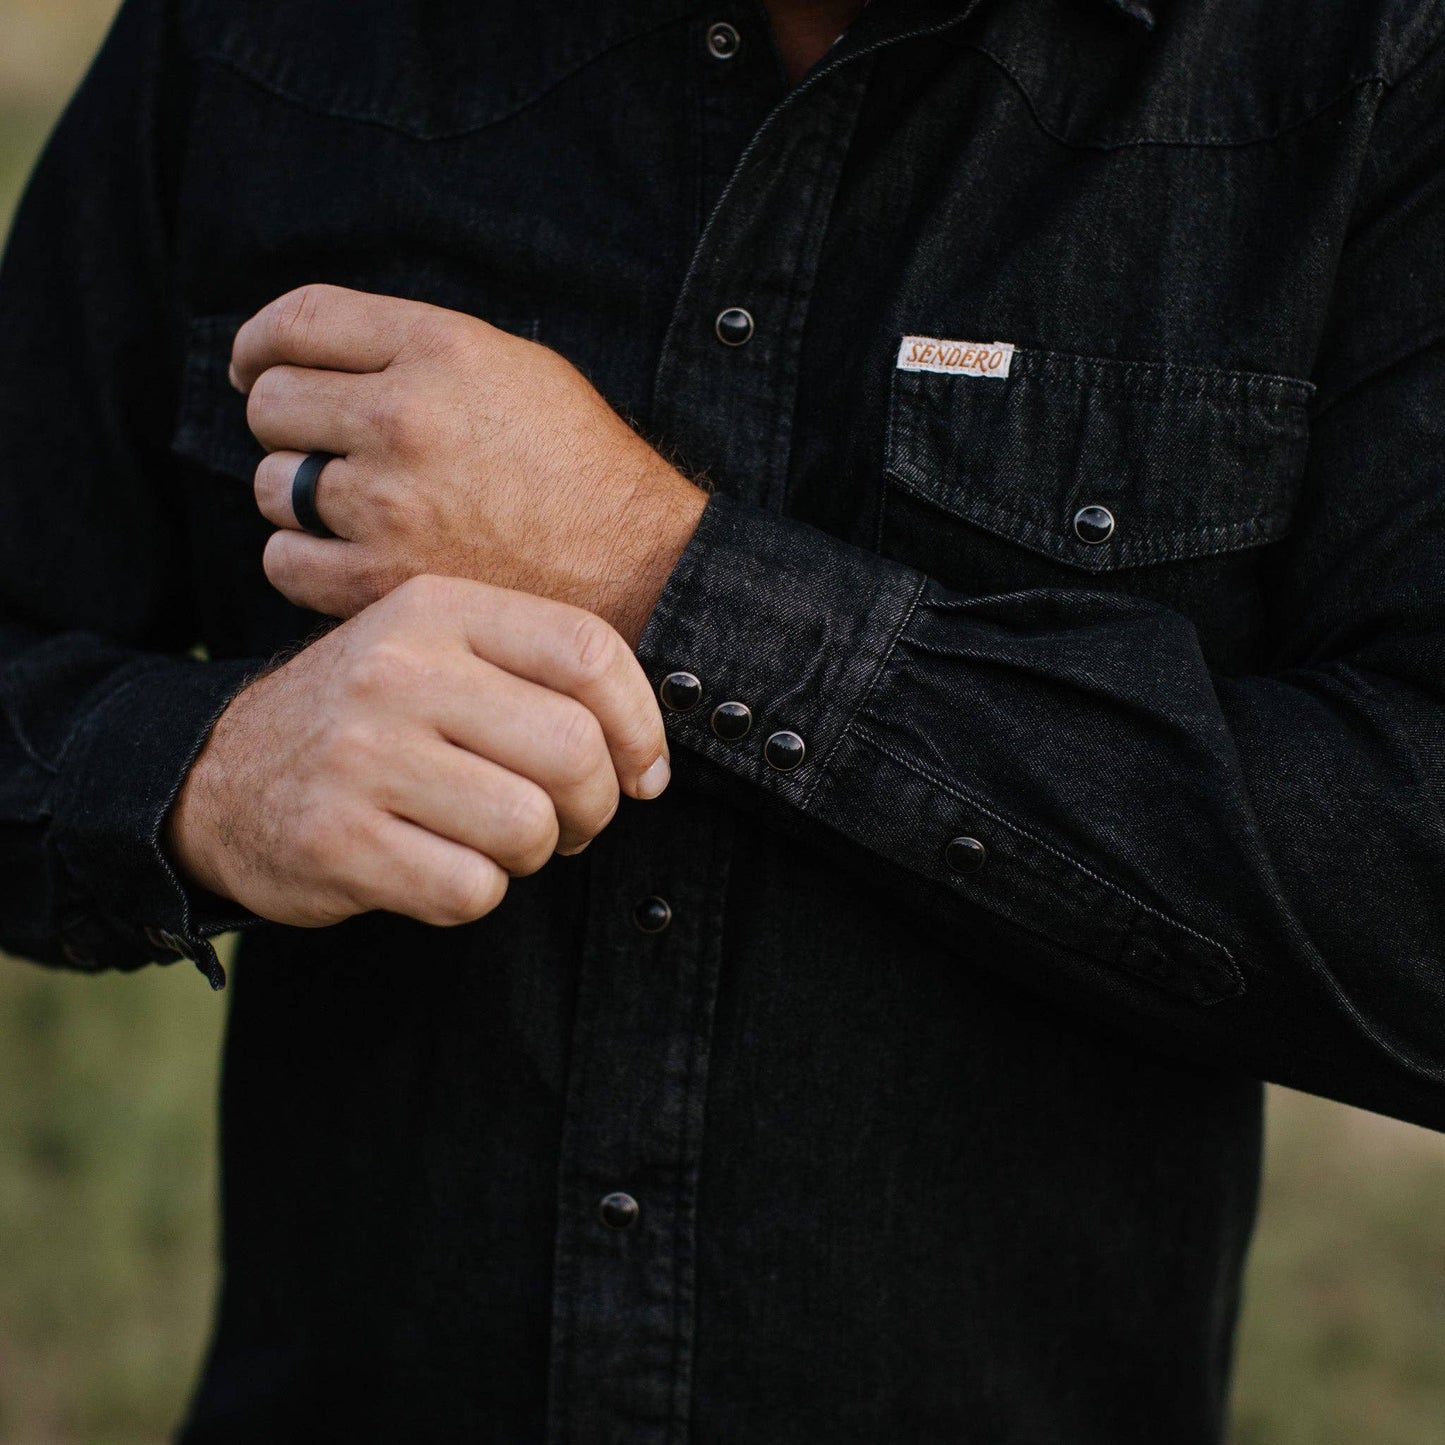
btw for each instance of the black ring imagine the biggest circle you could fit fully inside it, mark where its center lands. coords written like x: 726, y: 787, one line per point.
x: 303, y: 494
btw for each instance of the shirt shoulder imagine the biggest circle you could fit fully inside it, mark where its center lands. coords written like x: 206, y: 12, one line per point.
x: 1334, y: 40
x: 1208, y: 72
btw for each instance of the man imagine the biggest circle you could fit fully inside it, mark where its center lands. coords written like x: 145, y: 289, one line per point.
x: 1031, y: 527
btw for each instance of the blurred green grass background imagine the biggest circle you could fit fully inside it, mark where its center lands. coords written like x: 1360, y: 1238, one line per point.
x: 107, y: 1147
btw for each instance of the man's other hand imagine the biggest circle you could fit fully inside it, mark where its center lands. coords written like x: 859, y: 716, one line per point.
x: 461, y: 451
x: 414, y: 758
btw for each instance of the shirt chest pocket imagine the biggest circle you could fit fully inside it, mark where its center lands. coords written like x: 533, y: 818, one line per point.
x: 1073, y: 465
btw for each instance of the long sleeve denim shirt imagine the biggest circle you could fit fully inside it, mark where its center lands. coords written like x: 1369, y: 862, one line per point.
x: 1078, y: 517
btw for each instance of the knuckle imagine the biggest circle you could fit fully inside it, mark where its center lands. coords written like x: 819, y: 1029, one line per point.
x: 592, y: 820
x: 606, y: 813
x: 267, y: 392
x: 594, y: 648
x: 297, y: 310
x: 470, y: 890
x: 383, y: 669
x: 349, y: 745
x: 276, y: 561
x: 640, y: 730
x: 272, y: 485
x: 434, y: 332
x: 268, y: 475
x: 395, y: 419
x: 579, y: 750
x: 424, y: 595
x: 529, y: 824
x: 389, y: 502
x: 333, y: 906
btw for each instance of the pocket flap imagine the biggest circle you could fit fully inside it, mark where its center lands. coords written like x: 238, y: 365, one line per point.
x: 1184, y: 461
x: 430, y: 70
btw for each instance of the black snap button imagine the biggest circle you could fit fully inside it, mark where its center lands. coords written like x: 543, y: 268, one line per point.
x: 734, y: 326
x: 784, y: 751
x: 652, y: 915
x: 1094, y: 524
x: 732, y: 721
x: 619, y: 1211
x: 965, y: 855
x: 680, y: 692
x: 722, y: 41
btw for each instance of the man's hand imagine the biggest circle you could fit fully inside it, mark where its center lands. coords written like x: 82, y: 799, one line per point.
x: 412, y: 759
x: 461, y: 451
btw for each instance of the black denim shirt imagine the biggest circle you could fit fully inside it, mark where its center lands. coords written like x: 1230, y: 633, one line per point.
x: 1118, y: 671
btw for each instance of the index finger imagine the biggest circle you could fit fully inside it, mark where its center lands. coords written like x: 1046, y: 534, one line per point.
x: 569, y: 651
x: 322, y: 326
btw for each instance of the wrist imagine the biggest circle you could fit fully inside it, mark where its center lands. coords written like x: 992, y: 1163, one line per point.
x: 657, y: 526
x: 190, y: 837
x: 183, y: 838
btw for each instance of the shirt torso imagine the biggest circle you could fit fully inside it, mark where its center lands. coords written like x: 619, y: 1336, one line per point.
x: 882, y: 1192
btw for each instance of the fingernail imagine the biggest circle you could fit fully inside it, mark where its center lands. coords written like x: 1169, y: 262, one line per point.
x: 233, y: 376
x: 654, y: 780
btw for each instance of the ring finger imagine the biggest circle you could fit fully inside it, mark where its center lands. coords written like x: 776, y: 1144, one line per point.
x: 335, y: 489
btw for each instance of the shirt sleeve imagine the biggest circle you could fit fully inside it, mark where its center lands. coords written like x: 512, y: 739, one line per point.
x: 102, y: 704
x: 1245, y: 870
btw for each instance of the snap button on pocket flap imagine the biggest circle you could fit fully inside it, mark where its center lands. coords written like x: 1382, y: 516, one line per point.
x: 1104, y: 464
x: 211, y: 425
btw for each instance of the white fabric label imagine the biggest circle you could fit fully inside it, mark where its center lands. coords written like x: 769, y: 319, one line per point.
x: 990, y: 359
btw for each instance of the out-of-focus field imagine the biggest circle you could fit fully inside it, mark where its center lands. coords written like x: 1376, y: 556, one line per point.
x: 107, y: 1141
x: 107, y: 1185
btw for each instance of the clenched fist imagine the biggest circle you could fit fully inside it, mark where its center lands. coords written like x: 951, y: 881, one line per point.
x: 414, y: 758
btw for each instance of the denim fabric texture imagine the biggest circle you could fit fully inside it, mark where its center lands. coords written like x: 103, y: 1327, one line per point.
x: 928, y: 1144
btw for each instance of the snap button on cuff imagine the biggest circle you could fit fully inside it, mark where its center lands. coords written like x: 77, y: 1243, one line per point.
x: 1094, y: 524
x: 964, y: 855
x: 732, y: 721
x: 784, y: 751
x: 680, y: 692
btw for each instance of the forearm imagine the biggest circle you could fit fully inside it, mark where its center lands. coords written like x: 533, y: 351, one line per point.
x: 100, y: 705
x: 98, y: 740
x: 1156, y: 845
